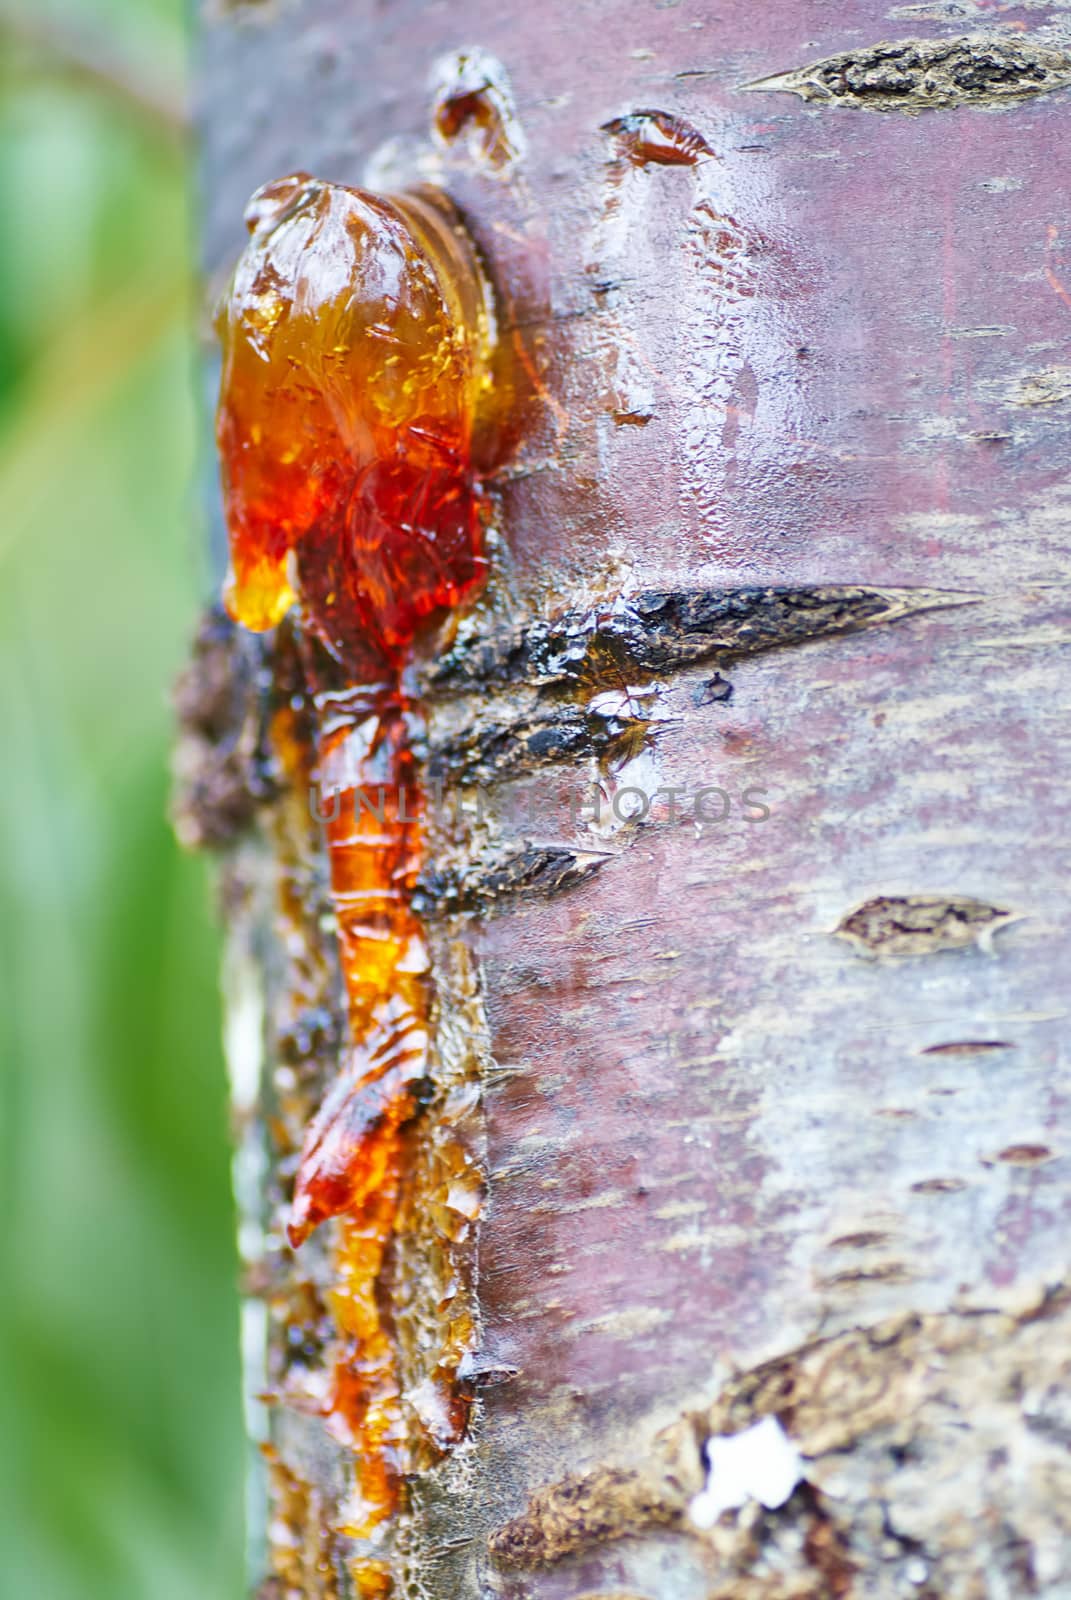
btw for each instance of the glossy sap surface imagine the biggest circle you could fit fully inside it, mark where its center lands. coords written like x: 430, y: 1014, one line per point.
x: 355, y: 342
x: 356, y: 354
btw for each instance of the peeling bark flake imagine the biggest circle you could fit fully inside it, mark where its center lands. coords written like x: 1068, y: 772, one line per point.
x: 914, y: 75
x: 579, y: 1511
x: 863, y: 1409
x: 921, y: 925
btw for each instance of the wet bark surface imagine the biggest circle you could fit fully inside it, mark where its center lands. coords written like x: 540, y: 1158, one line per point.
x: 768, y: 1081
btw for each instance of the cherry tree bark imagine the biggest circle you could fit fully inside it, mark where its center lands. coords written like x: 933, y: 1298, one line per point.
x: 741, y: 1199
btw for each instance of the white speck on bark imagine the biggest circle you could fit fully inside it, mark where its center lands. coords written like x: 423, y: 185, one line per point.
x: 759, y: 1464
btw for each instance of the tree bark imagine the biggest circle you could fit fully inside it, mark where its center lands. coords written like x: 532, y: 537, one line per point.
x: 764, y: 1086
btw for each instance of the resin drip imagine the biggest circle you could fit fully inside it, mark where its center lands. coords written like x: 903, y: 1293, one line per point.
x: 356, y: 375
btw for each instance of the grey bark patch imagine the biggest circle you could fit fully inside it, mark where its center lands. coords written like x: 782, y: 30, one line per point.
x: 920, y: 924
x: 913, y: 75
x: 888, y: 1415
x: 868, y: 1410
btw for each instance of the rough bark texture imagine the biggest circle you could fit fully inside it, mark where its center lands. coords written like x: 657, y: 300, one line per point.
x: 767, y: 1089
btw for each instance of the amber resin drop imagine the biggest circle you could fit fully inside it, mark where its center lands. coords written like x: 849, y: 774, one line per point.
x: 356, y: 362
x: 357, y: 344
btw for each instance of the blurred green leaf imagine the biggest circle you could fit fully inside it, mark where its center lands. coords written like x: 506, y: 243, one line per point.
x: 119, y: 1367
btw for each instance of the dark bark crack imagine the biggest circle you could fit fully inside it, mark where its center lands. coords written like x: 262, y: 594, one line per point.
x: 915, y: 75
x: 662, y: 631
x: 533, y: 872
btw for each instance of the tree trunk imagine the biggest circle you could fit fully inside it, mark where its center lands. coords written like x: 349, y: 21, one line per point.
x: 759, y: 1064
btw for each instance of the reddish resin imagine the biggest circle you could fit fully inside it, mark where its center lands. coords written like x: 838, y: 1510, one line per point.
x: 355, y: 360
x: 655, y: 138
x: 356, y: 349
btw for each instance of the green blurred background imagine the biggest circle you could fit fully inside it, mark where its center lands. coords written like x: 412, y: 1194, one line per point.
x: 120, y: 1429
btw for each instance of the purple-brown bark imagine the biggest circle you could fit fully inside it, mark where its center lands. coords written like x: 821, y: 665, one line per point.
x: 771, y: 1093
